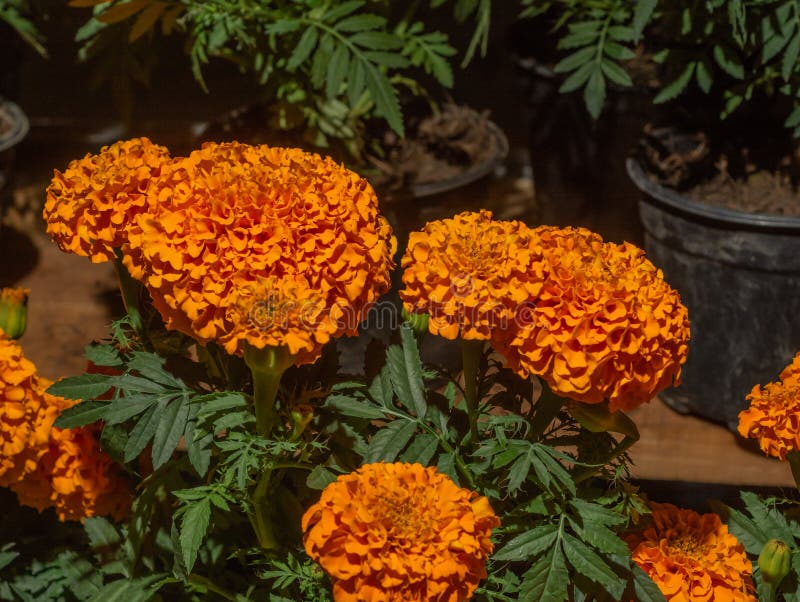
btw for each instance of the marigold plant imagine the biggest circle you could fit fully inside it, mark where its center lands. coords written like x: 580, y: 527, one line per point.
x: 468, y: 273
x: 772, y: 417
x: 92, y: 203
x: 230, y: 222
x: 693, y: 557
x: 605, y: 324
x: 400, y: 532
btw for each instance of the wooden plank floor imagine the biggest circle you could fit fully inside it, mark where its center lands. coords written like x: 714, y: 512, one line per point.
x: 686, y: 448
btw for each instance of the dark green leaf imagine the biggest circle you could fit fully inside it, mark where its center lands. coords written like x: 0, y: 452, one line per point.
x: 103, y: 355
x: 169, y: 431
x: 615, y: 73
x: 588, y: 563
x: 337, y: 70
x: 355, y: 407
x: 390, y: 441
x: 86, y: 412
x: 747, y: 532
x: 123, y: 408
x: 421, y: 449
x: 548, y: 578
x: 85, y: 386
x: 320, y: 477
x: 577, y: 78
x: 360, y: 22
x: 594, y: 95
x: 728, y: 60
x: 138, y: 384
x: 447, y: 466
x: 645, y: 589
x: 376, y: 40
x: 342, y: 10
x: 790, y: 55
x: 528, y: 545
x: 303, y: 49
x: 194, y: 525
x: 385, y: 97
x: 641, y: 16
x: 405, y: 370
x: 576, y: 59
x: 143, y: 432
x: 676, y: 86
x: 151, y: 367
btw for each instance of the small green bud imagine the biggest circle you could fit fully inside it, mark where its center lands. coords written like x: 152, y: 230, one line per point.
x: 418, y: 322
x: 14, y: 311
x: 301, y: 417
x: 774, y: 561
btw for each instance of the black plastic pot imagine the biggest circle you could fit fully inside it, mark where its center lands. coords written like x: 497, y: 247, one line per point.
x: 739, y: 275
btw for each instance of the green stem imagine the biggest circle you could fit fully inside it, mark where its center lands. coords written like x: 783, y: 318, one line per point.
x: 212, y: 587
x: 267, y: 366
x: 471, y: 354
x: 131, y: 290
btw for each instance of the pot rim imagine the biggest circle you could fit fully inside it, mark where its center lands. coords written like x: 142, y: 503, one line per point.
x: 671, y: 198
x: 18, y: 122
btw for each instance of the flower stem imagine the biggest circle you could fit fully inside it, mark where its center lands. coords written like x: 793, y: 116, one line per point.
x: 131, y: 290
x: 471, y: 354
x: 267, y: 366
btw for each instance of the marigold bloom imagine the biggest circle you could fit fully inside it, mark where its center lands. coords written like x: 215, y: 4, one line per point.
x: 91, y: 204
x: 75, y: 476
x: 24, y: 422
x: 605, y: 324
x: 693, y: 557
x: 469, y: 273
x: 400, y: 533
x: 772, y: 417
x: 234, y: 228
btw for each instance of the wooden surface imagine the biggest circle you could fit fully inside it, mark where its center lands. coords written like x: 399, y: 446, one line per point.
x: 685, y: 448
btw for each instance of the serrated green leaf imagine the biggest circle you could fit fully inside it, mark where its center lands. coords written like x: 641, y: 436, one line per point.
x: 519, y: 472
x: 169, y: 431
x: 447, y: 466
x: 85, y: 386
x: 790, y: 55
x: 644, y: 587
x: 361, y: 22
x: 727, y: 59
x: 616, y: 73
x: 140, y: 589
x: 342, y: 10
x: 586, y: 562
x: 576, y: 59
x: 421, y: 449
x: 219, y: 402
x: 577, y: 78
x: 405, y: 371
x: 337, y: 70
x: 390, y: 441
x: 143, y: 432
x: 676, y: 86
x: 548, y: 578
x: 194, y: 525
x: 380, y: 389
x: 124, y: 408
x: 385, y: 98
x: 354, y: 407
x: 769, y: 520
x: 86, y: 412
x: 594, y: 94
x: 747, y: 532
x: 618, y: 52
x: 151, y: 367
x: 138, y: 384
x: 641, y: 16
x: 103, y: 355
x: 704, y: 74
x: 376, y: 40
x: 198, y: 448
x: 528, y: 545
x: 302, y: 51
x: 320, y: 477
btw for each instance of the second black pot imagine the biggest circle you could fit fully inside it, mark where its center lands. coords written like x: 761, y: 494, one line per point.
x: 739, y: 276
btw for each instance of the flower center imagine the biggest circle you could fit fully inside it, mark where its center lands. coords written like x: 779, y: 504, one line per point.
x: 688, y: 546
x: 404, y: 515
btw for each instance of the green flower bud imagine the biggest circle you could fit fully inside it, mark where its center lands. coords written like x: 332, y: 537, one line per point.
x: 301, y: 417
x: 418, y: 322
x: 774, y: 561
x: 14, y: 311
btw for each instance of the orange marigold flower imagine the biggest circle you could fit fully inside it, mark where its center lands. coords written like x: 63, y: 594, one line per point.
x: 772, y: 417
x: 91, y: 204
x: 605, y: 324
x: 691, y: 557
x: 24, y: 421
x: 233, y: 228
x: 468, y: 273
x: 400, y: 532
x: 75, y: 476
